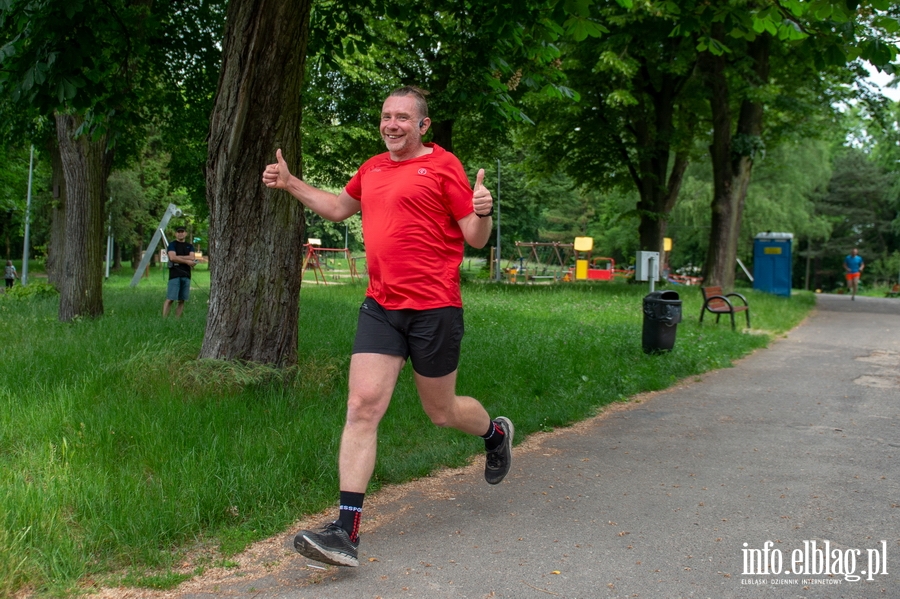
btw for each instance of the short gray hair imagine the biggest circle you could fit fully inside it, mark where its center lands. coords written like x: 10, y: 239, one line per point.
x: 419, y: 95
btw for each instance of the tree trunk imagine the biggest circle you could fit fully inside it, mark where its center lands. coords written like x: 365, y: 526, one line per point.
x: 138, y: 249
x: 656, y: 204
x: 256, y: 234
x: 732, y: 162
x: 56, y: 253
x: 86, y: 165
x: 442, y: 134
x: 657, y: 185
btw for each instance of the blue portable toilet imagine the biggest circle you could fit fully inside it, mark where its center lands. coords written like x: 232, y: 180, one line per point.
x: 772, y: 263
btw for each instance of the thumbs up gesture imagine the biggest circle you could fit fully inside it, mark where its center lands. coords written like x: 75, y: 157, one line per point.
x: 277, y: 175
x: 482, y: 201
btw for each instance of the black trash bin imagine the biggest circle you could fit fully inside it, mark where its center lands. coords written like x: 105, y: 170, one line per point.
x: 662, y: 313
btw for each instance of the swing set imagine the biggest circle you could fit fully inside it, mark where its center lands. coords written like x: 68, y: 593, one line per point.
x: 316, y: 259
x: 539, y: 261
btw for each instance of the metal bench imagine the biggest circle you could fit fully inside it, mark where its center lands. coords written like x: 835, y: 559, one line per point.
x: 715, y: 300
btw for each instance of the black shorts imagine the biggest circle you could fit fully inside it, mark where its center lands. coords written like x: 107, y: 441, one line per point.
x: 430, y: 339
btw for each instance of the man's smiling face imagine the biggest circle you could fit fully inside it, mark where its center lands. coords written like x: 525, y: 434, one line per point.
x: 400, y: 127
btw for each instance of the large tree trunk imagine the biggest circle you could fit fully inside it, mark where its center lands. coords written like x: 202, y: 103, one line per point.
x: 86, y: 165
x: 255, y: 234
x: 658, y: 185
x: 56, y: 253
x: 732, y: 159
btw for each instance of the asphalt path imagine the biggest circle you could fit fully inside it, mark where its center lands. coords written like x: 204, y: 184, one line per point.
x: 739, y: 483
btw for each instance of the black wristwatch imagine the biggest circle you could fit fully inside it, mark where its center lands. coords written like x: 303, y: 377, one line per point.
x: 486, y: 215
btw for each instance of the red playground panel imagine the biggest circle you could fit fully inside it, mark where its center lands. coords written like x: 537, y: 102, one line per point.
x: 599, y: 274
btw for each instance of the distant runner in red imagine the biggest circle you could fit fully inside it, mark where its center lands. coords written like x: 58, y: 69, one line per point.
x: 417, y: 208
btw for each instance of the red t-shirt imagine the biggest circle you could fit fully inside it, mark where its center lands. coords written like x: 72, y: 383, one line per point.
x: 414, y: 245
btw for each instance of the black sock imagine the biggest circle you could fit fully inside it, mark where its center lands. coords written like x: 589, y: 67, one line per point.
x: 494, y: 437
x: 351, y: 513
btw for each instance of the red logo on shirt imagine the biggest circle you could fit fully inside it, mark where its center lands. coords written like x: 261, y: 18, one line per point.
x: 422, y: 171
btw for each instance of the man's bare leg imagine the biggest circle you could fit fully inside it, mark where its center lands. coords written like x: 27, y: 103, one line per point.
x: 372, y: 381
x: 373, y: 378
x: 446, y: 408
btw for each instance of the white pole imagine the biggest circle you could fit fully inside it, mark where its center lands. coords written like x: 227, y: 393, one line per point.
x: 498, y: 220
x: 27, y: 220
x: 109, y: 243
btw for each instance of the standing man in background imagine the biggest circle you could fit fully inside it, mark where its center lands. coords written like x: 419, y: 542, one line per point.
x: 417, y: 208
x: 181, y: 261
x: 854, y: 265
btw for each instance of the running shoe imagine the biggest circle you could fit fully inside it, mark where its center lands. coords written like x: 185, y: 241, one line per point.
x: 329, y: 544
x: 498, y: 460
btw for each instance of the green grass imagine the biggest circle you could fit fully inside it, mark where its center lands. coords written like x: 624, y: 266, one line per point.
x: 879, y: 290
x: 119, y: 450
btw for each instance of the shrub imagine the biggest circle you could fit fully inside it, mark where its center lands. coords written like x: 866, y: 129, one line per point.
x: 38, y: 290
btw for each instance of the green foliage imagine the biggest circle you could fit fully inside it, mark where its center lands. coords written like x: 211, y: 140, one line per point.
x: 860, y: 203
x: 38, y: 290
x: 334, y: 235
x: 845, y: 30
x: 627, y: 81
x: 782, y: 196
x: 13, y: 191
x: 189, y: 52
x: 883, y: 269
x: 120, y: 65
x: 475, y: 57
x: 74, y: 56
x: 139, y: 194
x: 785, y: 185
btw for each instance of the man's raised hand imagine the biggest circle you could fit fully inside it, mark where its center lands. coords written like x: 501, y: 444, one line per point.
x: 482, y: 201
x: 277, y: 175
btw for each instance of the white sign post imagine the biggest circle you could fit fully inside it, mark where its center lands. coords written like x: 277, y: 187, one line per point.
x: 646, y: 268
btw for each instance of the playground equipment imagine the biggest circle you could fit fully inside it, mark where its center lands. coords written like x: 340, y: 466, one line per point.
x: 316, y: 259
x: 600, y: 268
x: 540, y: 260
x: 158, y: 235
x: 552, y: 261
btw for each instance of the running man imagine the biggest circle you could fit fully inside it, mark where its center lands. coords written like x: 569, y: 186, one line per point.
x: 854, y: 265
x: 417, y: 208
